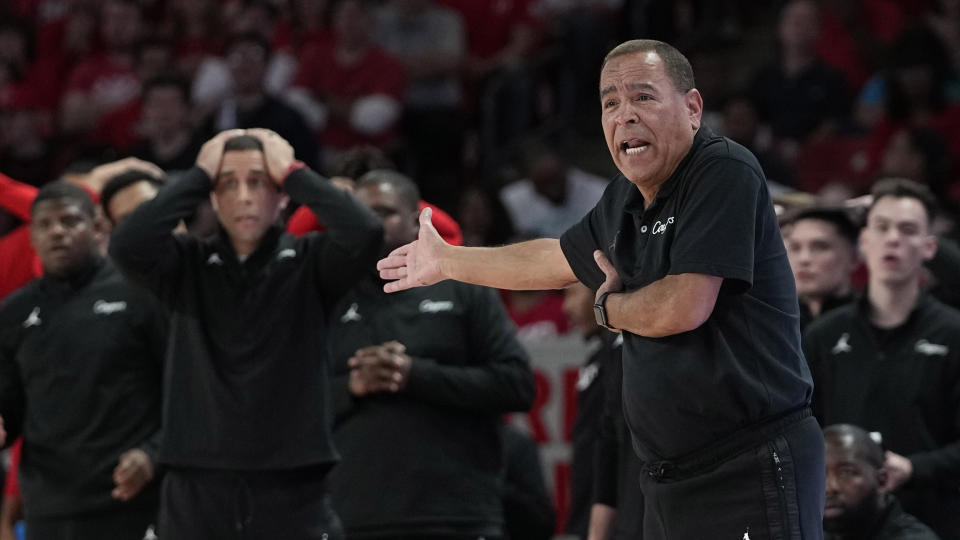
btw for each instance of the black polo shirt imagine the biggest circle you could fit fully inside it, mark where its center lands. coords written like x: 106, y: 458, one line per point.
x: 744, y: 364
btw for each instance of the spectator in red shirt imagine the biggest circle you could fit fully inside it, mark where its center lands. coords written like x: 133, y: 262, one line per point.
x: 501, y: 41
x: 121, y: 128
x: 106, y: 80
x: 355, y: 87
x: 854, y: 35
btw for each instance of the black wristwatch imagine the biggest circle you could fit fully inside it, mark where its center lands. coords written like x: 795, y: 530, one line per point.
x: 600, y: 311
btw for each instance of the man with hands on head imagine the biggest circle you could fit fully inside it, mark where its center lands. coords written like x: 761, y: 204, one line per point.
x: 247, y: 443
x: 688, y: 262
x: 81, y: 362
x: 439, y: 366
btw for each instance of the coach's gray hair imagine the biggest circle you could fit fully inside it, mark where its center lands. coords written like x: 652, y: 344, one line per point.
x: 677, y: 65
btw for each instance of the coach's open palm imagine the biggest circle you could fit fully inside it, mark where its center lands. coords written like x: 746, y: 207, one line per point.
x: 415, y: 264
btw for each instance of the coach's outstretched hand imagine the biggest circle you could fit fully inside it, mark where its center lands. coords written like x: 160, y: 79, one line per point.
x: 415, y: 264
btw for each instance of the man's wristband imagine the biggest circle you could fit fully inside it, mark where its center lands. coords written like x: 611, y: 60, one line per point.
x: 600, y: 312
x: 296, y: 165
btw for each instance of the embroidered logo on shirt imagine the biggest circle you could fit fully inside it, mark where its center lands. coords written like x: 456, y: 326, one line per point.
x: 287, y: 253
x: 430, y: 306
x: 586, y: 376
x: 33, y: 319
x: 215, y: 259
x: 660, y: 227
x: 351, y: 314
x: 931, y: 349
x: 842, y: 345
x: 102, y: 307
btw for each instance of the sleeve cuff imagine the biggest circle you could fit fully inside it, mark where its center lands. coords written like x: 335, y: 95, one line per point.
x: 923, y: 467
x: 295, y: 166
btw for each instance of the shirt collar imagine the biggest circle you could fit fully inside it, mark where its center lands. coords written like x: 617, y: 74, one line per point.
x: 81, y: 277
x: 264, y: 250
x: 864, y: 308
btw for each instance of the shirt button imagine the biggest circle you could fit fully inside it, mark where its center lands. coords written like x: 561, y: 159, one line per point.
x: 643, y: 229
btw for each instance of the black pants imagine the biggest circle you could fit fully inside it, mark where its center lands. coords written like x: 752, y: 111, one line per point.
x: 125, y: 525
x: 771, y: 490
x: 239, y: 505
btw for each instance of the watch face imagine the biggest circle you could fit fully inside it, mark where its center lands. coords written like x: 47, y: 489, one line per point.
x: 600, y: 315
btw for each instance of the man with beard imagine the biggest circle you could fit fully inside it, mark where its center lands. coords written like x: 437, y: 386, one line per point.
x: 858, y: 504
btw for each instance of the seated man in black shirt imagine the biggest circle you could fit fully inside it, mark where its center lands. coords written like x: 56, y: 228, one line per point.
x: 859, y: 506
x: 686, y: 255
x: 81, y: 361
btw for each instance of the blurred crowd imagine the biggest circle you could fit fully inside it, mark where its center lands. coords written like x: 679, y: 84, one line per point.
x: 829, y: 94
x: 491, y: 108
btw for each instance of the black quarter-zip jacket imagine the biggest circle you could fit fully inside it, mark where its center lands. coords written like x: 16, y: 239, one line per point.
x: 904, y: 383
x: 247, y: 370
x: 428, y: 459
x: 81, y: 369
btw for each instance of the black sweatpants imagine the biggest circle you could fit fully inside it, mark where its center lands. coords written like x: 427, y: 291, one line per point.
x: 123, y: 525
x: 770, y: 487
x: 243, y: 505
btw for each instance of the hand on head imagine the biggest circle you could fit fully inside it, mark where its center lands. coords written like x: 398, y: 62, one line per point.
x: 899, y: 470
x: 211, y: 153
x: 277, y: 152
x: 415, y: 264
x: 101, y: 174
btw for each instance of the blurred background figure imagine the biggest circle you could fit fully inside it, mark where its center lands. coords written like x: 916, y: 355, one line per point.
x: 859, y: 505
